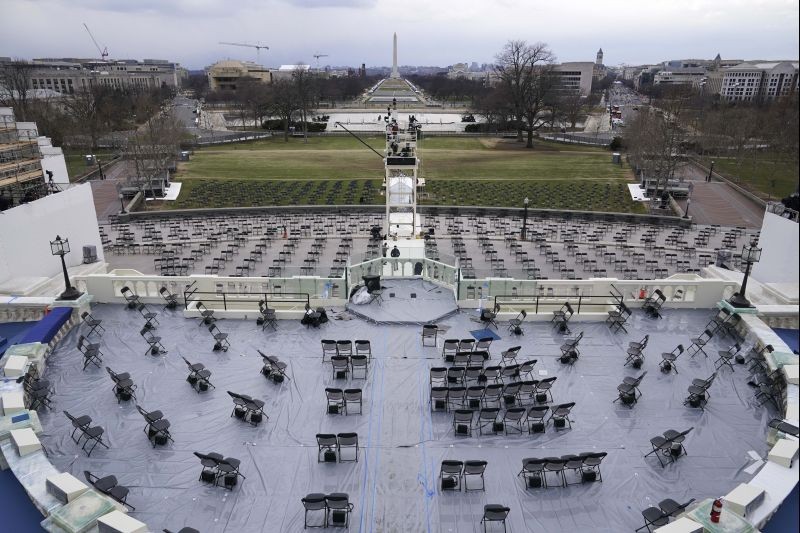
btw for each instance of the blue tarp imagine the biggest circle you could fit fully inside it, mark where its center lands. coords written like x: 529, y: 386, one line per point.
x: 790, y: 336
x: 47, y: 327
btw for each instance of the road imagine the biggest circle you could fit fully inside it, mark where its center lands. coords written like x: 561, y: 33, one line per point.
x: 717, y: 202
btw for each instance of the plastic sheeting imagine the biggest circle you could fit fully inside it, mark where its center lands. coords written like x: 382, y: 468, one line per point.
x: 406, y: 302
x: 394, y: 484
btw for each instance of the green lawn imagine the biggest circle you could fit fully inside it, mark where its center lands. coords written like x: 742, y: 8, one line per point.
x: 458, y: 171
x: 765, y: 176
x: 76, y: 164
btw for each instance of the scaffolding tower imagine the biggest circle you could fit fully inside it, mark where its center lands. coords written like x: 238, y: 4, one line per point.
x: 401, y: 179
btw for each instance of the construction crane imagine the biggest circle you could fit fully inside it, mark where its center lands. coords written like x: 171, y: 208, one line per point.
x: 258, y: 47
x: 103, y: 51
x: 317, y: 56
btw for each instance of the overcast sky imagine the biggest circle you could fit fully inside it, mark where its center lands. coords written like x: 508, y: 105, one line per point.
x: 430, y: 32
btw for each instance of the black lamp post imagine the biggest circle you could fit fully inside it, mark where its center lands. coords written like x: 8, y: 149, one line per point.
x: 689, y: 200
x: 751, y: 253
x: 525, y: 220
x: 60, y: 248
x: 710, y: 172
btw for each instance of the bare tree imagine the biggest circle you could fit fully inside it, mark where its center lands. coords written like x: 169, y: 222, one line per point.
x: 495, y: 107
x: 526, y: 71
x: 306, y: 89
x: 283, y: 103
x: 572, y: 107
x: 250, y: 100
x: 511, y: 65
x: 153, y: 148
x: 86, y: 109
x: 654, y: 138
x: 14, y: 85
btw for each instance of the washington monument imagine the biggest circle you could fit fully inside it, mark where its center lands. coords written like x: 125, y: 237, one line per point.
x: 395, y: 72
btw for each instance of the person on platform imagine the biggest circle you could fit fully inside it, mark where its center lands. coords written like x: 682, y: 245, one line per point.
x: 384, y: 249
x: 395, y: 252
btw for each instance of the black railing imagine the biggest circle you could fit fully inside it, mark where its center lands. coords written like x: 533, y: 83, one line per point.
x: 255, y: 297
x: 578, y: 301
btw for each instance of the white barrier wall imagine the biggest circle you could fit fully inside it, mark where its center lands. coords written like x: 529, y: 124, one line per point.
x: 26, y: 232
x: 779, y: 242
x: 53, y: 160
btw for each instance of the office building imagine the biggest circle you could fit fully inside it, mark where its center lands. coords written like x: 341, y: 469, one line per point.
x: 67, y: 75
x: 759, y: 81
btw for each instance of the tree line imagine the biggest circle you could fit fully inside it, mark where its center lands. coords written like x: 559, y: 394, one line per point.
x: 682, y: 122
x: 291, y: 100
x: 80, y: 118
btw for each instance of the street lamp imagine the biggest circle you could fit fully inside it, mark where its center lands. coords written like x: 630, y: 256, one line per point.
x: 751, y: 253
x: 525, y: 219
x: 688, y: 200
x: 710, y: 172
x: 60, y: 248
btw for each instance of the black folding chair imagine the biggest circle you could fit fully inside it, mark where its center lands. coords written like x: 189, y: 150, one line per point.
x: 474, y: 468
x: 220, y: 338
x: 653, y: 303
x: 726, y: 357
x: 314, y: 502
x: 94, y: 324
x: 268, y: 317
x: 91, y: 352
x: 494, y: 513
x: 199, y: 376
x: 109, y: 486
x: 92, y: 434
x: 170, y: 300
x: 489, y: 316
x: 273, y: 369
x: 618, y: 318
x: 450, y: 474
x: 80, y: 423
x: 429, y: 332
x: 628, y: 390
x: 149, y: 316
x: 699, y: 342
x: 515, y: 323
x: 206, y: 314
x: 669, y: 359
x: 124, y: 388
x: 347, y: 441
x: 154, y: 346
x: 130, y: 297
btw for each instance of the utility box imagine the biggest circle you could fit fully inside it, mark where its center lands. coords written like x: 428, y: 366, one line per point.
x: 89, y: 254
x: 744, y: 499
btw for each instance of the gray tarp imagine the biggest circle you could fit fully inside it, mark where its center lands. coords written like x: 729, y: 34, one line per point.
x: 394, y: 484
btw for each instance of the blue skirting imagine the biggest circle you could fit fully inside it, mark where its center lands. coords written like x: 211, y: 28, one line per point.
x: 47, y: 327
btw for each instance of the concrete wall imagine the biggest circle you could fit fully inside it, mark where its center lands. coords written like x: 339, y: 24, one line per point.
x: 779, y: 241
x: 26, y: 232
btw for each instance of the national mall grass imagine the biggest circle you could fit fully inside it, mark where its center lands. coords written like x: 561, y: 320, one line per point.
x: 459, y: 171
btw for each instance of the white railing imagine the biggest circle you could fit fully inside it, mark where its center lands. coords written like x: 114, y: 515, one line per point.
x: 680, y: 290
x: 106, y: 288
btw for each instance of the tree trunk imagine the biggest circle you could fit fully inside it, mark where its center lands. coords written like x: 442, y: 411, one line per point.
x: 285, y: 130
x: 529, y: 144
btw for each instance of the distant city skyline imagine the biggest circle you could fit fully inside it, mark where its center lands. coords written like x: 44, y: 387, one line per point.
x: 352, y: 32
